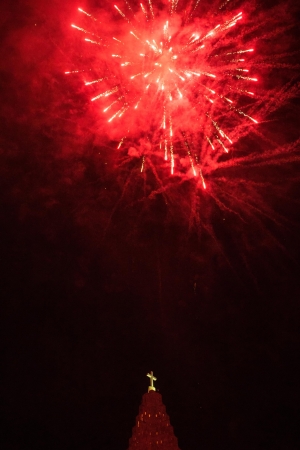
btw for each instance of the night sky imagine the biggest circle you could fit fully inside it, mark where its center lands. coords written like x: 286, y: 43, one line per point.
x: 103, y: 280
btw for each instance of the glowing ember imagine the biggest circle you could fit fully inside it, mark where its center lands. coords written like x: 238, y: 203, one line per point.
x: 181, y: 82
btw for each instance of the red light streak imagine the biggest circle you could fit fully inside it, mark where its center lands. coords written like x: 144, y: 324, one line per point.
x: 178, y: 70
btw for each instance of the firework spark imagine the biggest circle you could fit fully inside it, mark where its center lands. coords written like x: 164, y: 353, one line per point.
x: 183, y: 82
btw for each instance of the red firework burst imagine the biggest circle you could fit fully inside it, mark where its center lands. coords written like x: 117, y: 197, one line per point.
x: 173, y: 84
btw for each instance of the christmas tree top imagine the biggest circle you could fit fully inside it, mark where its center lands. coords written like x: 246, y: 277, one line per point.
x: 152, y: 429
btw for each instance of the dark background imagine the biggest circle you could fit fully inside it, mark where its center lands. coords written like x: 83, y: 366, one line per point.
x: 101, y: 286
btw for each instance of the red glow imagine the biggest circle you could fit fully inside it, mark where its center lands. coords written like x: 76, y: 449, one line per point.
x: 150, y: 71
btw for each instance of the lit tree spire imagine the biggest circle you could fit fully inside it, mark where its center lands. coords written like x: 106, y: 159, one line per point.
x: 152, y: 378
x: 152, y: 430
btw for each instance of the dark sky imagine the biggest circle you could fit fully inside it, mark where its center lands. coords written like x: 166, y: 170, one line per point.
x: 105, y: 275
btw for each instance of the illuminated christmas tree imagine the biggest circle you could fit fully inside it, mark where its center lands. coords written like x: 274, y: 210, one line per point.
x: 152, y: 429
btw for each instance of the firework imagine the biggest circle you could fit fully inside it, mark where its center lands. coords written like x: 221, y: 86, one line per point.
x: 172, y: 82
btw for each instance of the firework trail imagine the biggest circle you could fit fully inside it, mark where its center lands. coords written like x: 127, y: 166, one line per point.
x: 186, y: 91
x: 176, y: 89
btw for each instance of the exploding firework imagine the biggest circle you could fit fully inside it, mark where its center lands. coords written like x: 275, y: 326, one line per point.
x: 192, y: 96
x: 174, y: 85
